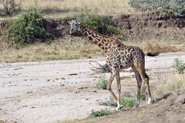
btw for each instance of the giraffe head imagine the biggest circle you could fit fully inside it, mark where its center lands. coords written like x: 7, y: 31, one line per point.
x: 75, y: 25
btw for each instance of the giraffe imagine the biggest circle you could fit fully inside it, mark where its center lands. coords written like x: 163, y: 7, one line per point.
x: 119, y: 56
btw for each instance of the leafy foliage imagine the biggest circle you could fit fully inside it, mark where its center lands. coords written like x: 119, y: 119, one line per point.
x: 100, y: 113
x: 27, y: 29
x: 167, y: 7
x: 104, y: 25
x: 10, y: 6
x: 65, y: 20
x: 179, y: 66
x: 127, y: 102
x: 102, y: 83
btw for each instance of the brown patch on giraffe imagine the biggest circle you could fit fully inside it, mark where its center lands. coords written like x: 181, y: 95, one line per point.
x: 90, y: 37
x: 95, y: 41
x: 106, y: 44
x: 102, y: 41
x: 134, y: 53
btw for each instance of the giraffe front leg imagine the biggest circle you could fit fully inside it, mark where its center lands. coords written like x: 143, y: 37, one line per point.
x: 119, y: 106
x: 138, y: 93
x: 109, y: 87
x: 109, y: 84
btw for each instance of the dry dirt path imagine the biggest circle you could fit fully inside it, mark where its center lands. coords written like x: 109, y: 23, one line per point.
x: 47, y: 92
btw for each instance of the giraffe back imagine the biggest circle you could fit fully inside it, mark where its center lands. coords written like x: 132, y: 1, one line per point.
x: 123, y: 56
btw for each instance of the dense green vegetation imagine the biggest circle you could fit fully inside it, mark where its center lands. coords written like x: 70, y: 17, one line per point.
x: 102, y: 84
x: 104, y: 25
x: 28, y: 29
x: 100, y: 113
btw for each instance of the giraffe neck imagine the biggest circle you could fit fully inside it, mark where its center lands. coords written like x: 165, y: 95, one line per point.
x: 100, y: 40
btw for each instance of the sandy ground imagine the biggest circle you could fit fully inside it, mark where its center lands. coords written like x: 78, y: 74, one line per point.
x: 47, y: 92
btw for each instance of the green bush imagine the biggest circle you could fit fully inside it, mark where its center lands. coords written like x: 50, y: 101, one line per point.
x: 127, y: 102
x: 27, y: 29
x: 166, y: 7
x: 102, y: 83
x: 66, y: 19
x: 100, y: 113
x: 104, y: 25
x: 179, y: 66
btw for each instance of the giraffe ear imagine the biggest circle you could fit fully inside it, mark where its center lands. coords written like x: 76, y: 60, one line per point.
x: 70, y: 22
x: 78, y: 22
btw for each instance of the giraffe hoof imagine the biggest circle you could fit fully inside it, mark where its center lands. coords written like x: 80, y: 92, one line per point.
x: 137, y: 104
x: 149, y: 101
x: 119, y: 108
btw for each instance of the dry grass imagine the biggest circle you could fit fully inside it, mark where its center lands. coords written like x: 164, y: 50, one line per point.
x: 175, y: 84
x: 160, y: 46
x: 73, y: 48
x: 158, y: 39
x: 68, y: 8
x: 170, y: 34
x: 68, y: 48
x: 154, y: 46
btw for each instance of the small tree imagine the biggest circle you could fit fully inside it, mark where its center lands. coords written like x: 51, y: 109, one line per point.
x: 10, y: 6
x: 27, y: 29
x: 179, y: 66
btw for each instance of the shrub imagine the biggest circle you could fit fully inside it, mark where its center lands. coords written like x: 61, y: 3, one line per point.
x: 127, y: 102
x: 102, y: 83
x: 65, y: 20
x: 166, y: 7
x: 104, y: 25
x: 100, y: 113
x: 27, y: 29
x: 179, y: 66
x: 101, y: 68
x: 9, y: 6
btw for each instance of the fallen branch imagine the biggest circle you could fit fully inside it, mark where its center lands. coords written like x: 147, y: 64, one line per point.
x: 101, y: 68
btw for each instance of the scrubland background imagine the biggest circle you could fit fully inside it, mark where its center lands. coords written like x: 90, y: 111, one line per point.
x: 50, y: 75
x: 150, y: 39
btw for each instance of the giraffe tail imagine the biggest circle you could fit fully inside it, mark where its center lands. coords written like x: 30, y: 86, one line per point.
x: 153, y: 54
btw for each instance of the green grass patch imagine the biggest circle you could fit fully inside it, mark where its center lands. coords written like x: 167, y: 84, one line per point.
x: 101, y: 113
x: 127, y: 102
x: 179, y: 66
x: 102, y: 84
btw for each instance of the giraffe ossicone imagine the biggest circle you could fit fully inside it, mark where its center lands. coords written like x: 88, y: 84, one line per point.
x: 119, y: 56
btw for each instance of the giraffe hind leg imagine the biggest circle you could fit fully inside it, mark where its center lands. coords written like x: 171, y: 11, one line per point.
x: 146, y: 79
x: 139, y: 83
x: 119, y: 106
